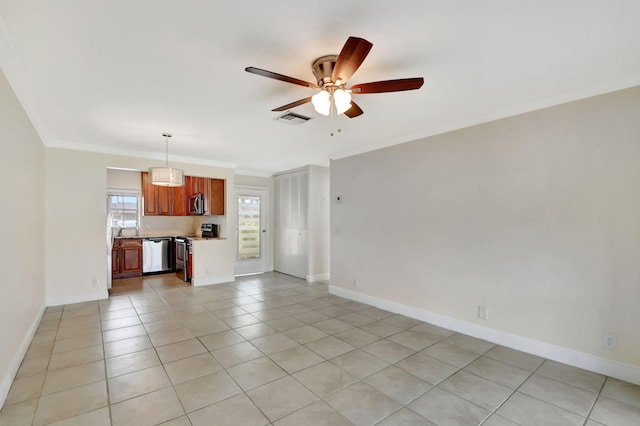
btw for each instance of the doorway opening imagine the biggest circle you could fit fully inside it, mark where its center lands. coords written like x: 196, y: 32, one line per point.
x: 251, y: 243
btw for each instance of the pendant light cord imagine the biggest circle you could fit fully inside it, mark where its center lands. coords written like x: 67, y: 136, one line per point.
x: 166, y: 145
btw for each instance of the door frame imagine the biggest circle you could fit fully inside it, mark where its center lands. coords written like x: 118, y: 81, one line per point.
x: 265, y: 263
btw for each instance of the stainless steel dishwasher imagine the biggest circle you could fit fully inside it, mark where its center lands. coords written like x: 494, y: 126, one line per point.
x: 156, y: 255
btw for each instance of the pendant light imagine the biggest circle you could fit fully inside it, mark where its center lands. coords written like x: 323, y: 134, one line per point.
x: 166, y: 176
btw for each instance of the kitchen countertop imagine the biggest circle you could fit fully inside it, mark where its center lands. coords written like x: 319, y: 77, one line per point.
x: 155, y: 236
x: 204, y: 238
x: 191, y: 237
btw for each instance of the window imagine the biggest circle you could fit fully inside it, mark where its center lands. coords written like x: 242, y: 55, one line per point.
x: 124, y: 209
x: 248, y: 227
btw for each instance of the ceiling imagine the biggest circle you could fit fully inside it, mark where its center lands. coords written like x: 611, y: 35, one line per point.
x: 112, y: 76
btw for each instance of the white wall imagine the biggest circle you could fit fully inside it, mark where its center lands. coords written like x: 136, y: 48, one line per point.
x: 75, y: 206
x: 22, y: 285
x: 318, y: 225
x: 536, y: 217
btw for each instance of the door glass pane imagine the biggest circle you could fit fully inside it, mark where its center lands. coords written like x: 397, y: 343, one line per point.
x: 248, y: 227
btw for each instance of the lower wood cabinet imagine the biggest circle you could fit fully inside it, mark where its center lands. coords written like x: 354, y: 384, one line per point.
x: 126, y: 258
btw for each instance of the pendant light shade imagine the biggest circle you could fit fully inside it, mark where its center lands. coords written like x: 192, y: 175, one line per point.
x: 166, y: 176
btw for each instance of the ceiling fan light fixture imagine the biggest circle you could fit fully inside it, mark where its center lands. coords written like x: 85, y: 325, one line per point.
x: 332, y: 73
x: 342, y: 100
x: 322, y: 102
x: 166, y: 176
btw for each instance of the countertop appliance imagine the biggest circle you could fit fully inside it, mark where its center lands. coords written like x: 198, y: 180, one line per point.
x: 182, y: 258
x: 196, y: 204
x: 209, y: 230
x: 156, y: 255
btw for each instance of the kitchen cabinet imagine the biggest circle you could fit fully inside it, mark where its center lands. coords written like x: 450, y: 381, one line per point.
x: 216, y: 197
x: 126, y: 258
x: 174, y: 201
x: 179, y: 201
x: 163, y: 200
x: 195, y: 185
x: 149, y: 196
x: 212, y: 191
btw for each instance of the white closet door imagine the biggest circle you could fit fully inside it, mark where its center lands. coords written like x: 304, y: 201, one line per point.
x: 291, y: 239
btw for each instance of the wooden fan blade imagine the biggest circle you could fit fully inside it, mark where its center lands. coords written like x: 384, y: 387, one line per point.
x: 350, y: 58
x: 293, y: 104
x: 276, y: 76
x: 389, y: 86
x: 354, y: 111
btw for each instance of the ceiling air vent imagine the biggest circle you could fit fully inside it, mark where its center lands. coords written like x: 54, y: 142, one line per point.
x: 293, y: 118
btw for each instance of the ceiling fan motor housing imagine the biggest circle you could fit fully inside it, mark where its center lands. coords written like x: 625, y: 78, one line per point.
x: 323, y: 68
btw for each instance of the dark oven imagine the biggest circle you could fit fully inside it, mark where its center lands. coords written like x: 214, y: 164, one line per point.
x: 182, y: 258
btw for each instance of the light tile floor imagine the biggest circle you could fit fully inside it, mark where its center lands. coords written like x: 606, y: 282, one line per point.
x: 270, y: 349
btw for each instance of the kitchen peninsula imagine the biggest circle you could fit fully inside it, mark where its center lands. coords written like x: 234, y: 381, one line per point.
x: 212, y: 261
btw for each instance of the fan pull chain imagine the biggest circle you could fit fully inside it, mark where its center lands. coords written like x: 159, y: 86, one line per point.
x: 334, y: 117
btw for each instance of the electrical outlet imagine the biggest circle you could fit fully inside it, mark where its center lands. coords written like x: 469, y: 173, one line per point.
x: 483, y: 312
x: 609, y: 341
x: 356, y: 284
x: 94, y: 282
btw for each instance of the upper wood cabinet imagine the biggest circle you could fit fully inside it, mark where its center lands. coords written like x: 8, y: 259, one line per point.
x: 162, y: 200
x: 149, y: 196
x: 195, y: 185
x: 216, y: 197
x: 180, y: 201
x: 174, y: 201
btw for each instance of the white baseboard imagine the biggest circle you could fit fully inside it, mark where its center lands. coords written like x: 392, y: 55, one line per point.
x: 5, y: 382
x: 318, y: 277
x: 77, y: 298
x: 222, y: 279
x: 619, y: 370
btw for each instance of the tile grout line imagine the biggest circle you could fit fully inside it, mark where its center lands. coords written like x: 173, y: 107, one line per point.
x: 232, y: 293
x: 595, y: 401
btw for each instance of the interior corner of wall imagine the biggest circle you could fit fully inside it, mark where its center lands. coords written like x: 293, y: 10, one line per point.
x: 57, y: 300
x: 12, y: 370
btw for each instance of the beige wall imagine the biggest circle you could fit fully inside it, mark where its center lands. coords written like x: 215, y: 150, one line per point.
x: 22, y: 285
x: 75, y: 206
x: 536, y: 217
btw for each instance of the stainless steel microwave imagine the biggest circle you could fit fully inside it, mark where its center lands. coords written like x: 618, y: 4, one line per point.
x: 196, y: 205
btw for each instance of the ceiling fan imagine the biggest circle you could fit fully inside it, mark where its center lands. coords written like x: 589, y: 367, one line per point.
x: 332, y: 73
